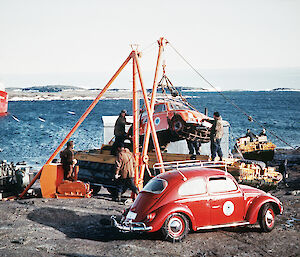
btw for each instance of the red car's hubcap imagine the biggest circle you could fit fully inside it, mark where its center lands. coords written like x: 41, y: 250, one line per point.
x: 176, y: 226
x: 269, y: 218
x: 177, y: 126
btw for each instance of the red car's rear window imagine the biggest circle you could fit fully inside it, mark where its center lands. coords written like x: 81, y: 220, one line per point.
x: 155, y: 186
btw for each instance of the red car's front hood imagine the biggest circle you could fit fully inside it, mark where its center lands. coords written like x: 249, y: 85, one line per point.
x: 143, y: 203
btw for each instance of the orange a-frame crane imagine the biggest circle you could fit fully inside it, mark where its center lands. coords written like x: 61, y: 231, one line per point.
x: 52, y: 178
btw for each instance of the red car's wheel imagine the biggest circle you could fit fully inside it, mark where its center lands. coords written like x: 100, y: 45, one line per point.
x: 267, y: 218
x: 177, y: 124
x: 176, y: 227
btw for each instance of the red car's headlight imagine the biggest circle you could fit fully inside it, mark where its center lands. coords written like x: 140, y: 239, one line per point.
x: 150, y: 217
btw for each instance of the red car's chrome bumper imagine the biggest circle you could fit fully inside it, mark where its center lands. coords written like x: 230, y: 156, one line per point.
x: 130, y: 226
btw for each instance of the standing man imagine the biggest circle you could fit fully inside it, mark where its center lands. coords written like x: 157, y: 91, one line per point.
x: 125, y: 171
x: 263, y: 132
x: 216, y: 135
x: 68, y: 161
x: 119, y: 131
x: 283, y: 171
x: 251, y: 135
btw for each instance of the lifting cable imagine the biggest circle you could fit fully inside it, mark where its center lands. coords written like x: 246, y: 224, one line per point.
x: 230, y: 101
x: 181, y: 96
x: 168, y: 84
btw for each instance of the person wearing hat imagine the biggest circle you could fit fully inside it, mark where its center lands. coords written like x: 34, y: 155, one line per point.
x: 124, y: 173
x: 119, y: 131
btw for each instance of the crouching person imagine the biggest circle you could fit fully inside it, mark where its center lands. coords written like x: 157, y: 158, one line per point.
x: 124, y: 174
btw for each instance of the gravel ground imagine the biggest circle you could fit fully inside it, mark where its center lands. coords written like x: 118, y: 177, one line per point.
x: 81, y: 227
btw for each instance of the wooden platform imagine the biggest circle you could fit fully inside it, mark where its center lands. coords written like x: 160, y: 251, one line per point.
x: 104, y: 156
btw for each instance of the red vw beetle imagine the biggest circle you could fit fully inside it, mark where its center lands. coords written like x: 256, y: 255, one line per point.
x: 198, y: 198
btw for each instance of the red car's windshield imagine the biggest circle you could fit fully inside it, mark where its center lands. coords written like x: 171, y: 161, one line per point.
x: 177, y: 106
x: 162, y: 108
x: 155, y: 186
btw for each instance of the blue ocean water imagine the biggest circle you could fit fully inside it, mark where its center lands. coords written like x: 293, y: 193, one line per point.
x: 43, y: 125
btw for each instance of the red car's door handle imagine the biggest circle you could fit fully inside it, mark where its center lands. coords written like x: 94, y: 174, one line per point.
x: 216, y: 207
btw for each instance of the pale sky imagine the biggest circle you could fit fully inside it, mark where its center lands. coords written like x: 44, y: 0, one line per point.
x: 70, y: 36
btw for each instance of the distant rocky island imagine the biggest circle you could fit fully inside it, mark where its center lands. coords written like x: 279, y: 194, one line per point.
x: 63, y: 92
x: 194, y: 89
x: 285, y: 89
x: 66, y: 92
x: 48, y: 88
x: 61, y: 88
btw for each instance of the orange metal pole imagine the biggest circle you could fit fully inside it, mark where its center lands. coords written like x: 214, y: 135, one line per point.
x: 150, y: 116
x: 152, y: 103
x: 86, y: 113
x: 135, y: 125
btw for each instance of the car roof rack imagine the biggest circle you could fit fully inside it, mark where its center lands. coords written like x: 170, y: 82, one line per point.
x: 176, y: 165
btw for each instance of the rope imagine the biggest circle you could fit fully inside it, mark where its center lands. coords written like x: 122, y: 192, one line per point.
x: 168, y: 84
x: 231, y: 102
x: 181, y: 96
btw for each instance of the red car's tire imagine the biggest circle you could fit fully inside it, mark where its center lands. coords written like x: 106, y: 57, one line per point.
x: 267, y: 218
x: 176, y: 227
x: 177, y: 124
